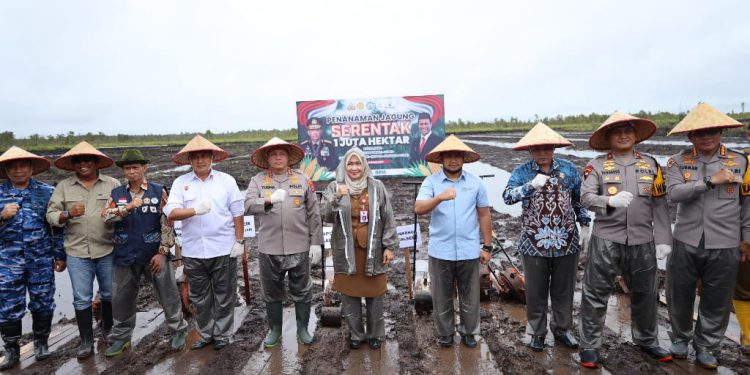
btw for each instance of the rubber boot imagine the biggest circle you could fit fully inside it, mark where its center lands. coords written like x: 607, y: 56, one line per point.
x: 11, y: 333
x: 302, y: 312
x: 274, y: 311
x: 107, y: 321
x: 41, y: 325
x: 84, y: 318
x: 742, y: 311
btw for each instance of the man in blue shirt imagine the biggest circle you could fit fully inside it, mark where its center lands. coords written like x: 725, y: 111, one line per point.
x: 28, y: 247
x: 458, y: 202
x: 550, y: 191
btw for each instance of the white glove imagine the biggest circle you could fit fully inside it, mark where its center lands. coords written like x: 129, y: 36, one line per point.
x: 278, y: 196
x: 237, y: 250
x: 316, y: 252
x: 179, y: 274
x: 583, y: 235
x: 203, y: 208
x: 621, y: 199
x: 539, y: 180
x: 663, y: 251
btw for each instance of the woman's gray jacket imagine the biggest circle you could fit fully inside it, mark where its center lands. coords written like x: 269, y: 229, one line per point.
x: 381, y: 228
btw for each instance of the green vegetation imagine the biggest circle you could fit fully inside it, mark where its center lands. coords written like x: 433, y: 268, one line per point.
x: 573, y: 123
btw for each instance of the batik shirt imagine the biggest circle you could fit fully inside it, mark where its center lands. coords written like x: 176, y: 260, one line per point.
x: 550, y: 212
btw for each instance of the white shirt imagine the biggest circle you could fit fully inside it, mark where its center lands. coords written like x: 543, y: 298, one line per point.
x: 210, y: 235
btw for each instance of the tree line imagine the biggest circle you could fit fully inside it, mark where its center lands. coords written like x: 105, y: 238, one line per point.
x: 580, y: 122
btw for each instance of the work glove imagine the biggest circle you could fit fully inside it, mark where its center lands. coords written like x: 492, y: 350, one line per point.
x: 663, y: 251
x: 583, y: 235
x: 237, y: 250
x: 539, y: 180
x: 316, y: 252
x: 278, y: 196
x: 621, y: 199
x: 203, y: 208
x: 179, y: 274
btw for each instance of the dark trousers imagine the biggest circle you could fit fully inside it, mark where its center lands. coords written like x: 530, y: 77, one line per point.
x: 637, y: 265
x: 717, y: 270
x: 445, y: 277
x: 213, y: 291
x: 549, y: 278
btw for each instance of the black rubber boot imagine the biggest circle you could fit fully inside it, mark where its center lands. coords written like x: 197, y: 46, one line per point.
x: 41, y: 325
x: 84, y: 318
x: 11, y: 333
x: 107, y: 321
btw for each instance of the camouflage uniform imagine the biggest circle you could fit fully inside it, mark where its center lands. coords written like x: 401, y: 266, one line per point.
x: 26, y: 254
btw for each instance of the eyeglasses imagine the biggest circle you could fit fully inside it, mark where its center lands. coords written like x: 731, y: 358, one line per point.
x: 83, y: 159
x: 706, y: 133
x: 541, y: 148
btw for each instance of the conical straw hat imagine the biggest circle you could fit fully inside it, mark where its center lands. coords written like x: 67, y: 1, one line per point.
x: 541, y: 135
x: 84, y: 148
x: 198, y: 143
x: 260, y: 156
x: 704, y: 116
x: 452, y: 143
x: 38, y: 163
x: 644, y: 129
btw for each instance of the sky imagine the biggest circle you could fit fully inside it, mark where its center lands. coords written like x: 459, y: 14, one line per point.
x: 157, y: 67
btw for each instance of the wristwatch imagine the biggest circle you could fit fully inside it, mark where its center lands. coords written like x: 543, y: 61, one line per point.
x: 241, y: 242
x: 487, y: 248
x: 66, y: 214
x: 707, y: 181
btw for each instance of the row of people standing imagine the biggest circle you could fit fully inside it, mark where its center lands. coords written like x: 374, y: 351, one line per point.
x: 628, y: 192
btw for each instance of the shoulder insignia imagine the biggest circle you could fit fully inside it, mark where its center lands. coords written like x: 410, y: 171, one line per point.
x: 659, y: 188
x: 587, y: 171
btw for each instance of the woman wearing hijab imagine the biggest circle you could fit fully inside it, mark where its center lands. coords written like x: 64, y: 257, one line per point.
x: 364, y: 236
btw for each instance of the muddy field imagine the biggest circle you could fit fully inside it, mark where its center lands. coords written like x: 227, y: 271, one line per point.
x: 409, y: 347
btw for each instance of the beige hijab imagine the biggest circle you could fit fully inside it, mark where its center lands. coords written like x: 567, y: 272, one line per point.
x: 355, y: 186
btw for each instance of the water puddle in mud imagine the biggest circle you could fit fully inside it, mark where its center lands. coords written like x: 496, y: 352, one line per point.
x: 285, y: 357
x: 495, y: 186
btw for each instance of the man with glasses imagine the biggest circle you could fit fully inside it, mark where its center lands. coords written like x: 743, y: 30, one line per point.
x: 211, y: 208
x: 77, y: 205
x: 710, y: 184
x: 625, y: 189
x: 549, y: 189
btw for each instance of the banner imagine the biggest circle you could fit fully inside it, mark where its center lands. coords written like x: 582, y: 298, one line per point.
x: 405, y: 236
x: 394, y: 133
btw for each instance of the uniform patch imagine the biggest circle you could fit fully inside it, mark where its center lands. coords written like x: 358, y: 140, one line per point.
x: 587, y: 171
x: 648, y: 188
x: 687, y: 175
x: 646, y: 178
x: 730, y: 189
x: 612, y: 190
x: 730, y: 163
x: 296, y: 202
x: 670, y: 163
x: 732, y: 156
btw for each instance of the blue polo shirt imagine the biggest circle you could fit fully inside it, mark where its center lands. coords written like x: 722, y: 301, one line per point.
x: 454, y: 226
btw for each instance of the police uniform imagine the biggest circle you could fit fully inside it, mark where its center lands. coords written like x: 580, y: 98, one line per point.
x: 710, y: 223
x: 28, y: 246
x: 323, y: 152
x: 622, y: 243
x: 285, y: 232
